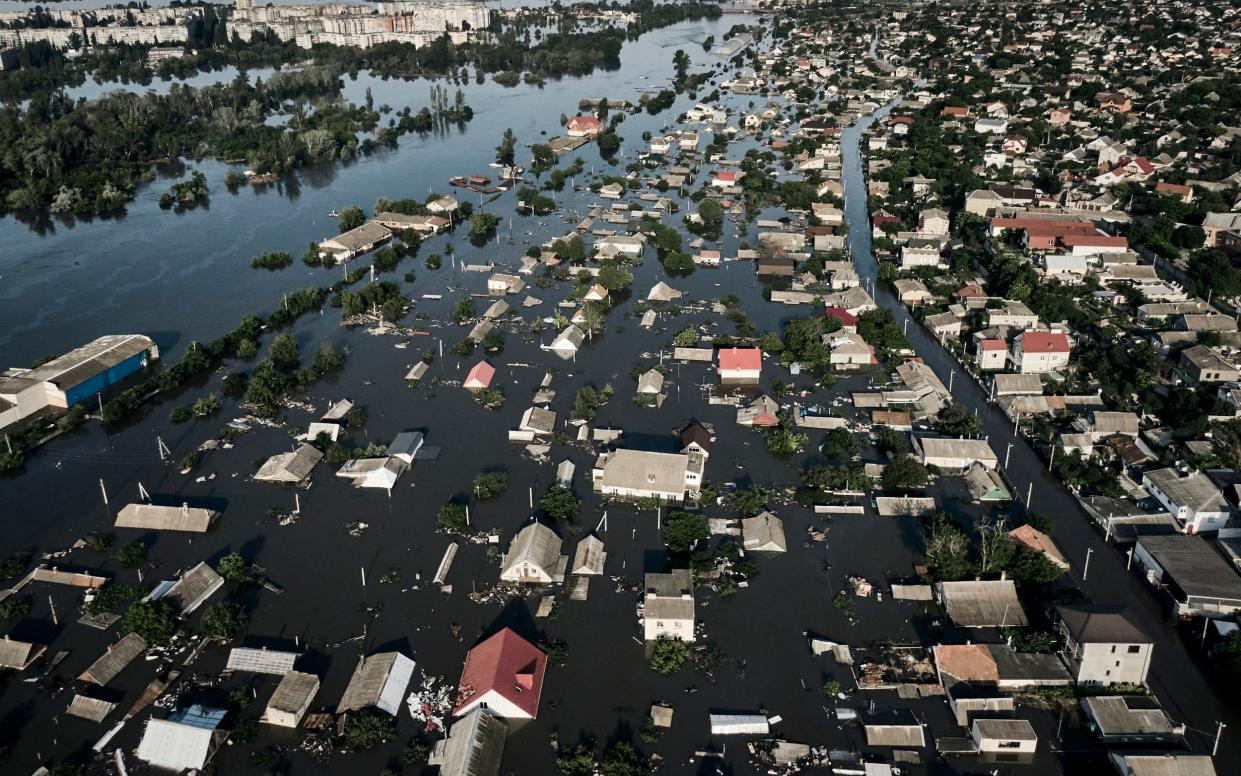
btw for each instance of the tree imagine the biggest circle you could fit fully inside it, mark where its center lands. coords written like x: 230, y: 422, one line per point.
x: 225, y: 622
x: 283, y: 352
x: 452, y: 518
x: 748, y: 502
x: 614, y: 278
x: 351, y: 218
x: 904, y: 473
x: 578, y: 760
x: 954, y: 421
x: 489, y: 485
x: 368, y: 729
x: 328, y: 359
x: 891, y: 441
x: 1210, y: 272
x: 1227, y: 660
x: 586, y: 403
x: 483, y: 224
x: 840, y: 443
x: 687, y: 338
x: 621, y: 759
x: 947, y: 551
x: 132, y: 555
x: 668, y: 655
x: 784, y: 441
x: 559, y: 503
x: 233, y: 567
x: 504, y: 151
x: 682, y: 530
x: 463, y: 310
x: 152, y: 620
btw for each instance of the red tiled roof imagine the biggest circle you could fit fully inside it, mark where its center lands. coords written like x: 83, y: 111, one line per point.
x: 993, y: 344
x: 505, y: 664
x: 1044, y: 342
x: 726, y: 176
x: 585, y: 123
x: 738, y: 359
x: 967, y: 662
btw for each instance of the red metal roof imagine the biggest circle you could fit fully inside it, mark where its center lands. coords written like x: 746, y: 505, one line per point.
x: 585, y: 123
x: 839, y: 313
x: 740, y: 359
x: 505, y: 664
x: 1044, y: 342
x: 1096, y: 240
x: 993, y: 344
x: 480, y: 376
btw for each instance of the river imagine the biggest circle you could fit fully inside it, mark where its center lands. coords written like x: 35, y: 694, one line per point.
x: 186, y: 274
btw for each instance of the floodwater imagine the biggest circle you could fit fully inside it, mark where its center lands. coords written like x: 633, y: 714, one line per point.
x: 131, y: 273
x: 185, y: 276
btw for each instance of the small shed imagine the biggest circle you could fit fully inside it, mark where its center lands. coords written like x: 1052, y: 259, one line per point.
x: 898, y: 728
x: 534, y: 557
x: 763, y: 533
x: 739, y: 725
x: 291, y: 700
x: 261, y: 661
x: 1010, y: 736
x: 982, y: 603
x: 651, y: 382
x: 589, y: 557
x: 90, y: 709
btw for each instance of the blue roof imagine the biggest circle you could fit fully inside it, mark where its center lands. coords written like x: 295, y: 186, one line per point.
x: 200, y: 717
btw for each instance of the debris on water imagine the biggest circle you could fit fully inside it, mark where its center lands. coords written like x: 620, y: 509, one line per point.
x: 356, y: 527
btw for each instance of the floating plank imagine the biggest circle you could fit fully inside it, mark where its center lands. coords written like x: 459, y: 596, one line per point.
x: 441, y: 573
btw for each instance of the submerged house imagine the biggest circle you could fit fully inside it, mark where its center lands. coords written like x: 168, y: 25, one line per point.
x: 150, y: 517
x: 668, y: 606
x: 190, y: 591
x: 291, y: 467
x: 379, y: 682
x: 355, y: 242
x: 534, y: 557
x: 185, y: 740
x: 763, y: 533
x: 291, y: 700
x: 474, y: 746
x: 504, y: 675
x: 637, y: 474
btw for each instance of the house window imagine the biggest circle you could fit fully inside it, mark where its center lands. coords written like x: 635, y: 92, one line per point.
x: 1010, y: 745
x: 1134, y: 649
x: 1113, y: 649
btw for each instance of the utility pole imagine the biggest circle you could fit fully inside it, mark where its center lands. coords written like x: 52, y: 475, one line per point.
x: 1007, y: 453
x: 1086, y: 568
x: 104, y: 491
x: 1052, y: 459
x: 1219, y: 731
x: 1129, y: 563
x: 1029, y: 494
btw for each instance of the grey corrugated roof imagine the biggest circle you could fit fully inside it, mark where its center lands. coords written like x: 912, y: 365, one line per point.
x: 975, y: 604
x: 1194, y: 565
x: 290, y: 467
x: 193, y: 588
x: 261, y: 661
x: 370, y: 680
x: 475, y: 745
x: 18, y: 654
x: 150, y: 517
x: 1100, y: 624
x: 293, y: 691
x: 1119, y: 715
x: 83, y: 363
x: 91, y: 709
x: 536, y: 544
x: 113, y: 661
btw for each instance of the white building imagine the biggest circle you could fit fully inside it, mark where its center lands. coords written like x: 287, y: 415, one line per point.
x: 1102, y: 646
x: 636, y: 474
x: 534, y: 557
x: 668, y: 606
x: 1192, y: 499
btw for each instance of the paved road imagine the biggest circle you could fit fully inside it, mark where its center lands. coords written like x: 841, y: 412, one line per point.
x: 1177, y: 678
